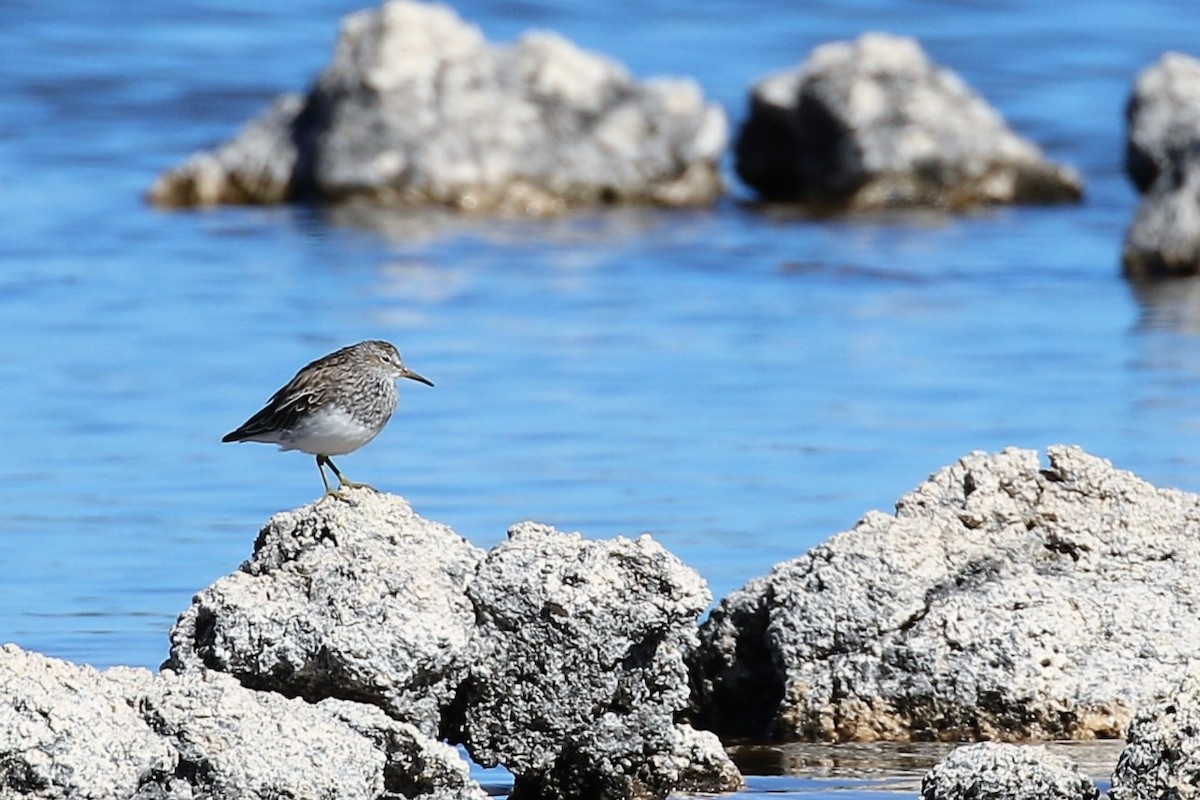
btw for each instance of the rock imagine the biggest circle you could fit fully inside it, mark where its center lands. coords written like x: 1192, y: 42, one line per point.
x: 873, y: 124
x: 361, y: 601
x: 561, y: 659
x: 69, y: 731
x: 1162, y: 118
x: 701, y: 765
x: 577, y: 669
x: 1162, y: 157
x: 417, y: 108
x: 1164, y: 238
x: 991, y: 771
x: 255, y: 168
x: 1001, y: 601
x: 1162, y: 748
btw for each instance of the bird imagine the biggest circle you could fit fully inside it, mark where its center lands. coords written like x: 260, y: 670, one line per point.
x: 333, y: 406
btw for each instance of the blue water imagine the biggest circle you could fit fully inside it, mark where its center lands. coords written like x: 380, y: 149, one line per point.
x: 742, y: 385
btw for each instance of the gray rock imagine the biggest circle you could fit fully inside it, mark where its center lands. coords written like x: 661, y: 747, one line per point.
x: 578, y: 669
x: 561, y: 659
x: 1001, y: 601
x: 1164, y: 238
x: 69, y: 731
x: 1161, y: 758
x: 700, y: 763
x: 1162, y: 118
x: 255, y: 168
x: 417, y: 108
x: 361, y: 601
x: 1162, y: 157
x: 991, y: 771
x: 874, y: 124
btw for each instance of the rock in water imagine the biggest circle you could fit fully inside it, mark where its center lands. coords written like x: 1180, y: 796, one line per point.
x: 578, y: 669
x: 361, y: 601
x: 1001, y: 601
x: 1162, y: 158
x: 874, y: 124
x: 1162, y: 118
x: 418, y: 109
x: 1162, y: 747
x: 1164, y: 238
x: 992, y: 771
x: 559, y: 658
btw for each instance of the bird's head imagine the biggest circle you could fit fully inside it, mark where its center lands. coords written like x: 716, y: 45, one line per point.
x: 389, y: 358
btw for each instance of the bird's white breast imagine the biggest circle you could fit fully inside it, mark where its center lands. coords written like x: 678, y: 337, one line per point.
x: 329, y: 432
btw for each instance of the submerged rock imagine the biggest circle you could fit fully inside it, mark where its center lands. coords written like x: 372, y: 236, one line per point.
x: 577, y: 669
x: 1001, y: 601
x: 70, y: 731
x: 1162, y: 158
x: 417, y: 108
x: 874, y: 124
x: 361, y: 601
x: 1162, y: 748
x: 992, y: 771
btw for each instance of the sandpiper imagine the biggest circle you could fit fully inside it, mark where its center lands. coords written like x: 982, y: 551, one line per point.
x: 333, y: 406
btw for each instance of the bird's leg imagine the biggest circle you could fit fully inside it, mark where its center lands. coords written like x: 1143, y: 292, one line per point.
x: 321, y: 462
x: 321, y: 469
x: 343, y: 481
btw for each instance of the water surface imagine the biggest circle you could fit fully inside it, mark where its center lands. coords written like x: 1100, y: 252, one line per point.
x: 740, y: 383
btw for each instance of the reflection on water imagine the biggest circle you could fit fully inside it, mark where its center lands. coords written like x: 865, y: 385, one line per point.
x: 608, y: 227
x: 896, y: 766
x: 1172, y: 304
x: 851, y: 272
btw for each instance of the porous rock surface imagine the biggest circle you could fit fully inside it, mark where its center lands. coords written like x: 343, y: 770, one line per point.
x: 1161, y: 758
x: 417, y: 108
x: 996, y: 771
x: 361, y: 600
x: 577, y: 669
x: 559, y: 658
x: 1001, y: 601
x: 874, y: 124
x: 1162, y: 158
x: 70, y: 731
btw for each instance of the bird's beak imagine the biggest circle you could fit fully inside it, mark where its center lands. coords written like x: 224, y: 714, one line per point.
x: 408, y: 373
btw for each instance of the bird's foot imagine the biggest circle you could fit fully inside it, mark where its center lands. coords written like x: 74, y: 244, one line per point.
x: 337, y: 494
x: 348, y: 484
x: 342, y: 493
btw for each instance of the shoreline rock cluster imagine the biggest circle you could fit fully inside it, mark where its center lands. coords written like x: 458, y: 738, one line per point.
x: 417, y: 109
x: 360, y: 632
x: 1003, y: 600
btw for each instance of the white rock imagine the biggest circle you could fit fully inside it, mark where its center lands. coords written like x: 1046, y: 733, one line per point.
x: 873, y: 123
x: 418, y: 109
x: 1001, y: 601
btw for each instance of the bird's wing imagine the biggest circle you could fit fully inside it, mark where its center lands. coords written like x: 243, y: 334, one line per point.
x: 282, y: 411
